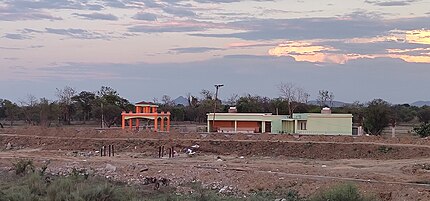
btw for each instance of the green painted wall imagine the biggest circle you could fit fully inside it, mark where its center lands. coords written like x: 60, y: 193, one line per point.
x: 328, y: 126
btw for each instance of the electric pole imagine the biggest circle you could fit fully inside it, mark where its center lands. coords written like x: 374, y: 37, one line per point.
x: 217, y: 86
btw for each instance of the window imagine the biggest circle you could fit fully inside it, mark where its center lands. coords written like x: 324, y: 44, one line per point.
x: 303, y: 125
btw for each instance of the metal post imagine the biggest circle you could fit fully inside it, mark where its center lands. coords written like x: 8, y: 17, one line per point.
x: 101, y: 152
x: 104, y: 150
x: 102, y: 116
x: 217, y: 86
x: 113, y: 152
x: 173, y: 152
x: 110, y: 149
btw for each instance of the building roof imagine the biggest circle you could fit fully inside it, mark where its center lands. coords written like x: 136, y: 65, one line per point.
x: 240, y: 114
x: 147, y: 103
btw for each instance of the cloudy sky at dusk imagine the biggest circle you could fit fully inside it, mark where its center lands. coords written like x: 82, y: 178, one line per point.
x: 359, y: 49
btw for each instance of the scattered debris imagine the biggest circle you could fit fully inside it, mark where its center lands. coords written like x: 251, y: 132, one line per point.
x: 110, y: 168
x: 190, y: 152
x: 8, y: 146
x: 195, y: 146
x: 227, y: 190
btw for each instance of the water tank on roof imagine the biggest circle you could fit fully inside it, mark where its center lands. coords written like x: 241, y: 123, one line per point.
x: 232, y: 110
x: 326, y: 110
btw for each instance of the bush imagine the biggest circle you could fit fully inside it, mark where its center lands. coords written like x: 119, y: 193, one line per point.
x: 423, y: 130
x: 23, y: 166
x: 344, y: 192
x: 35, y: 187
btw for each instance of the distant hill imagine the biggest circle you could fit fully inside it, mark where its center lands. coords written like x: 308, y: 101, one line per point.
x: 181, y: 101
x: 335, y: 103
x: 420, y: 103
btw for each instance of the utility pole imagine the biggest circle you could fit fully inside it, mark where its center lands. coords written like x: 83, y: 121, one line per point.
x: 217, y: 86
x: 102, y: 115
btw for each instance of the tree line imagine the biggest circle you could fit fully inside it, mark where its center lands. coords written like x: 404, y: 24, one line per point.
x: 72, y: 106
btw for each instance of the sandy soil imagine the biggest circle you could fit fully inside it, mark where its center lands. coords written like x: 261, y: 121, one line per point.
x: 391, y: 168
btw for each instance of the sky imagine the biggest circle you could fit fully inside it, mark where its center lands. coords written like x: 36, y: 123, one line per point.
x: 358, y: 49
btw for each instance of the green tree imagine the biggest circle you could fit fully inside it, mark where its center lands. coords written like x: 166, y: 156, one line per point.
x: 423, y: 130
x: 85, y: 102
x: 377, y: 116
x: 2, y: 109
x: 404, y: 112
x: 356, y: 109
x: 11, y: 111
x: 30, y: 110
x: 424, y: 115
x: 109, y: 105
x: 253, y: 104
x: 48, y: 112
x: 66, y: 103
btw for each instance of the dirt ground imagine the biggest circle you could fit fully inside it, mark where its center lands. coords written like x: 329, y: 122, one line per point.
x: 390, y: 168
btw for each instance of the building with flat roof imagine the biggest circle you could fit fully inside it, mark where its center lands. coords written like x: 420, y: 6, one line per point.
x: 324, y: 123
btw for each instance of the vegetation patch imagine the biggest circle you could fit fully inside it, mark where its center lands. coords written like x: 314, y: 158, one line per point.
x: 423, y: 130
x: 385, y: 149
x: 344, y: 192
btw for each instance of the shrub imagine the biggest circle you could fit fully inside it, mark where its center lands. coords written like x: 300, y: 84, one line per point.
x: 23, y: 166
x: 423, y: 130
x: 385, y: 149
x: 344, y: 192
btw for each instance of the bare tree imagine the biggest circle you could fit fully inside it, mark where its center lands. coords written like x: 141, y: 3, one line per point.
x: 207, y: 95
x: 65, y: 100
x: 331, y: 98
x: 324, y: 96
x: 232, y: 100
x: 65, y: 95
x: 293, y: 95
x: 29, y: 108
x: 167, y: 100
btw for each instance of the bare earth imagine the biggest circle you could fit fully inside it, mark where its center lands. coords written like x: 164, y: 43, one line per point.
x: 390, y: 168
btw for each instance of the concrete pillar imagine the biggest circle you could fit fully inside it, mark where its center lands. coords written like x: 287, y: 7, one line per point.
x: 137, y: 123
x: 393, y: 131
x: 209, y: 126
x: 123, y: 122
x: 295, y: 126
x: 168, y: 124
x: 162, y: 123
x: 130, y: 123
x: 235, y: 126
x: 263, y: 127
x: 155, y: 123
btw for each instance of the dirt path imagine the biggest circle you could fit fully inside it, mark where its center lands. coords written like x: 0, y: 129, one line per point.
x: 209, y: 140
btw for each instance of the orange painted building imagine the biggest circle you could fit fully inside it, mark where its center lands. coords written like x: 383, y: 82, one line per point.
x: 147, y: 110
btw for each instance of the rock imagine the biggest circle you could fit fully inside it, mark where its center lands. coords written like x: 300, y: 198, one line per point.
x: 223, y: 189
x: 110, y: 168
x: 8, y: 146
